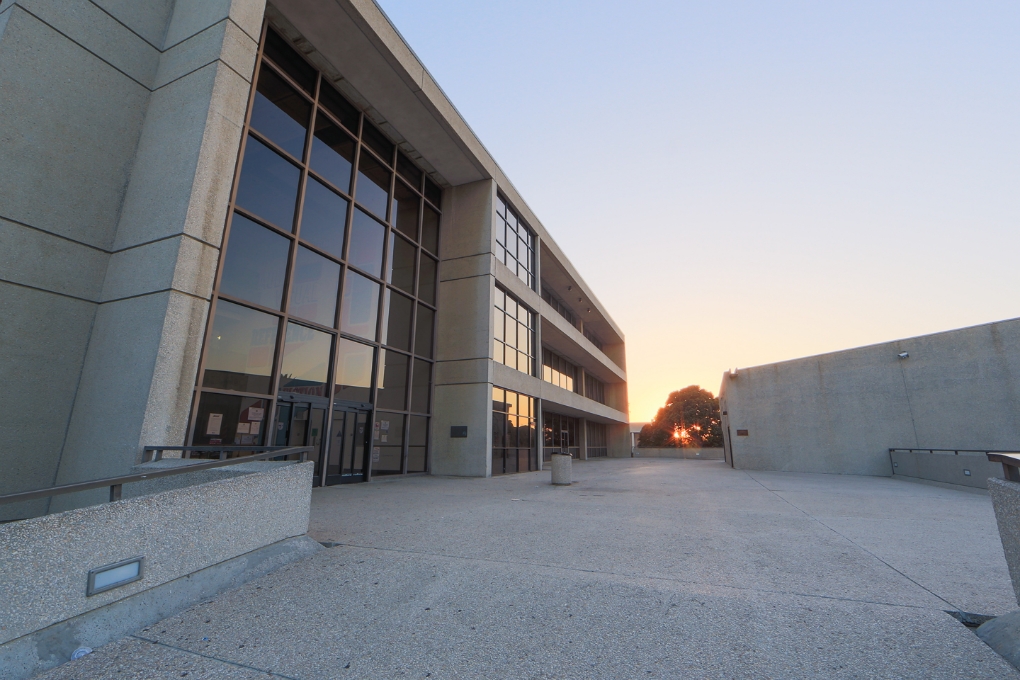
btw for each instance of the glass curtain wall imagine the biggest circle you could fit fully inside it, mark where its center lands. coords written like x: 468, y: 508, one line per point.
x: 558, y: 305
x: 513, y: 342
x: 560, y: 435
x: 515, y: 243
x: 594, y: 389
x: 327, y: 280
x: 514, y: 445
x: 598, y: 442
x: 559, y: 371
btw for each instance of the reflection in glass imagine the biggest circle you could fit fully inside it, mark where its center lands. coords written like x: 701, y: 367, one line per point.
x: 387, y: 443
x: 367, y: 239
x: 287, y: 58
x: 359, y: 308
x: 398, y: 322
x: 417, y: 441
x: 280, y: 113
x: 392, y: 391
x: 314, y: 288
x: 332, y: 154
x: 305, y: 361
x: 255, y: 265
x: 239, y: 355
x: 407, y: 203
x: 408, y: 170
x: 401, y: 270
x: 377, y: 141
x: 230, y: 420
x: 420, y: 386
x: 268, y: 185
x: 433, y: 192
x: 430, y: 231
x: 423, y: 331
x: 353, y: 371
x: 427, y: 280
x: 323, y: 218
x: 336, y: 104
x: 373, y: 188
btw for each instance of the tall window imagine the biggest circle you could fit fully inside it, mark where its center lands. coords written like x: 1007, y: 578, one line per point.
x: 513, y: 342
x: 559, y: 306
x: 594, y: 339
x: 559, y: 371
x: 515, y: 243
x: 598, y: 442
x: 561, y: 435
x: 594, y: 389
x: 327, y: 279
x: 514, y: 445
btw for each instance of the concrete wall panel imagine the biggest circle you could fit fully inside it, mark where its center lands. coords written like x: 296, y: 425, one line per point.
x: 469, y: 405
x: 42, y: 347
x: 41, y: 260
x: 69, y: 124
x: 841, y: 412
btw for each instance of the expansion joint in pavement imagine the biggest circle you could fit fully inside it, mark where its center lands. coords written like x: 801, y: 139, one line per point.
x: 214, y: 658
x: 650, y: 577
x: 851, y: 541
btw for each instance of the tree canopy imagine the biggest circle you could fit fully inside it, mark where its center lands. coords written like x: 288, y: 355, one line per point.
x: 690, y: 418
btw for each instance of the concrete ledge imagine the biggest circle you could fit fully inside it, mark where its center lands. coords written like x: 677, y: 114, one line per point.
x: 1006, y: 502
x: 685, y: 453
x: 947, y: 468
x: 53, y: 646
x: 45, y: 560
x: 1003, y: 635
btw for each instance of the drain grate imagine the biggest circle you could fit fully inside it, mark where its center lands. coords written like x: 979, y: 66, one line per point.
x: 968, y: 619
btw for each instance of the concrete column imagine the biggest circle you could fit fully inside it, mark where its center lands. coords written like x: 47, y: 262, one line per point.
x: 540, y: 438
x: 582, y: 437
x: 463, y: 390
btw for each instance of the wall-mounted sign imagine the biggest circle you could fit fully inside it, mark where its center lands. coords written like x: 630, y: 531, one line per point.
x: 458, y: 431
x: 741, y: 433
x: 214, y: 424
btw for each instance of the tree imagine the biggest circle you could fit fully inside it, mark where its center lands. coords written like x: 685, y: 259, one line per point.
x: 689, y: 418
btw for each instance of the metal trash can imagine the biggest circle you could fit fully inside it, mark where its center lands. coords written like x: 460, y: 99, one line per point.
x: 561, y: 469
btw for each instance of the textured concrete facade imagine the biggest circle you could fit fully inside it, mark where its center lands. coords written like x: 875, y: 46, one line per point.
x: 119, y: 124
x: 1006, y: 502
x: 842, y: 412
x: 46, y: 560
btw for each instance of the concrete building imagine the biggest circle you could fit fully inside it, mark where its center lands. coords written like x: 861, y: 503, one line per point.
x: 230, y: 222
x: 842, y: 412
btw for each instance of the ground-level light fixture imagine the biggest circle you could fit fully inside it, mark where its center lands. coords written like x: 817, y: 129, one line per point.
x: 114, y: 575
x: 903, y: 355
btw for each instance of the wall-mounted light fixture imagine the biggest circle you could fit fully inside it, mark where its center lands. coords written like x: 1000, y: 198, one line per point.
x: 114, y: 575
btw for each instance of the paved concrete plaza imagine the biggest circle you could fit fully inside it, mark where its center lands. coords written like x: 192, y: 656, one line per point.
x: 641, y: 569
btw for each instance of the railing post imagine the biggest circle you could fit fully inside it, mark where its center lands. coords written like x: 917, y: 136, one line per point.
x: 115, y: 492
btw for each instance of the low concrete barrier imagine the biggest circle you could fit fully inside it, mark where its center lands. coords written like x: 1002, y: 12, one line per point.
x: 685, y: 453
x: 45, y: 561
x: 946, y: 468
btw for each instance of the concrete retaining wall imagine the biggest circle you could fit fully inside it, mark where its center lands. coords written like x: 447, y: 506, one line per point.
x: 842, y: 412
x: 45, y: 561
x: 946, y: 468
x: 685, y: 453
x: 1006, y: 502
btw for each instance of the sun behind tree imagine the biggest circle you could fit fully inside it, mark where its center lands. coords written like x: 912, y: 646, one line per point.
x: 690, y: 418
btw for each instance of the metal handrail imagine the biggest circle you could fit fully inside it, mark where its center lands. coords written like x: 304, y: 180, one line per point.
x: 154, y: 453
x: 116, y: 484
x: 956, y: 451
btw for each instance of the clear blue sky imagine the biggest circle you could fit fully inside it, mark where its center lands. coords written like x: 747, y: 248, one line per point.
x: 747, y: 182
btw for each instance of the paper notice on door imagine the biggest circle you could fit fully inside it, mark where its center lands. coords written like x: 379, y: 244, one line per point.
x: 256, y: 414
x: 385, y: 438
x: 384, y: 425
x: 243, y: 428
x: 255, y: 428
x: 375, y: 455
x: 245, y: 439
x: 214, y: 424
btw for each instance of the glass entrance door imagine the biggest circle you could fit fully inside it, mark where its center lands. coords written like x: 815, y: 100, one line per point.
x: 301, y: 424
x: 347, y: 461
